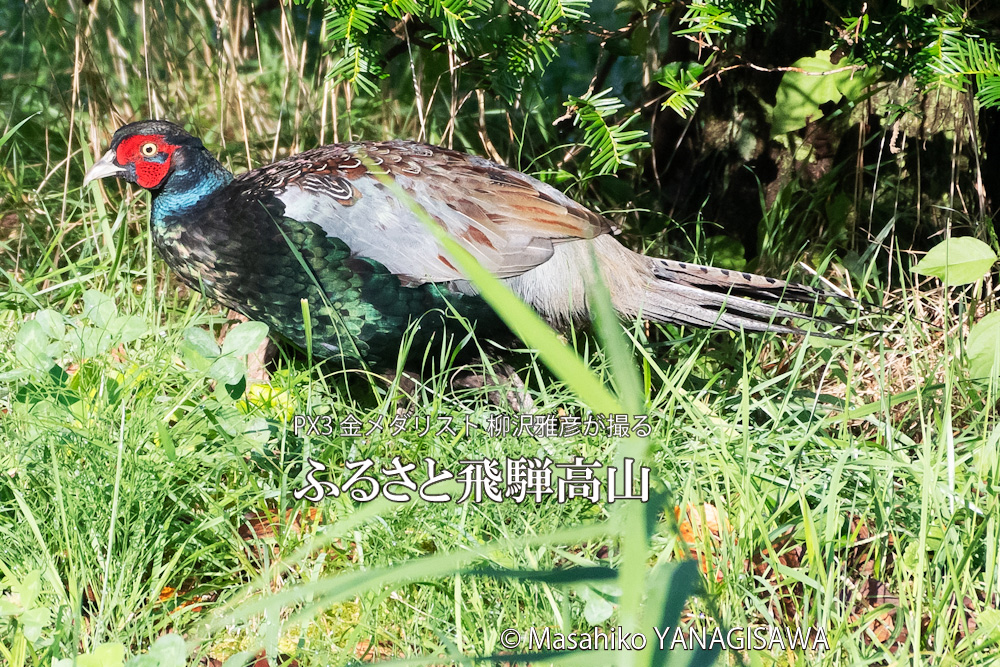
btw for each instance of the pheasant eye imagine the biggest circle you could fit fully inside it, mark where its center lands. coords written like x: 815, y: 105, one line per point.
x: 149, y: 149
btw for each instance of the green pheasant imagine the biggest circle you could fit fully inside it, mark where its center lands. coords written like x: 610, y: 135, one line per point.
x: 319, y: 226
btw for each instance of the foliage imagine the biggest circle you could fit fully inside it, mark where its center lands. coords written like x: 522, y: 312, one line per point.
x: 812, y: 82
x: 223, y: 364
x: 983, y: 348
x: 40, y: 341
x: 940, y: 47
x: 957, y: 261
x: 23, y: 616
x: 519, y: 41
x: 682, y: 80
x: 495, y: 47
x: 611, y: 144
x: 887, y: 41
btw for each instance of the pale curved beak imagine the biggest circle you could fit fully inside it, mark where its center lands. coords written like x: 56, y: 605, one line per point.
x: 103, y: 168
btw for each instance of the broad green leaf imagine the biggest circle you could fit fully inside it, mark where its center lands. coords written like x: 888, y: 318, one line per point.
x: 104, y: 655
x: 202, y: 342
x: 53, y: 323
x: 989, y: 623
x: 98, y: 307
x: 800, y: 94
x: 91, y: 341
x: 983, y: 347
x: 127, y: 328
x: 240, y: 659
x: 957, y: 261
x: 29, y: 588
x: 596, y: 609
x: 167, y: 651
x: 725, y: 252
x: 838, y: 210
x: 227, y: 370
x: 853, y: 85
x: 228, y: 419
x: 31, y: 347
x: 244, y: 338
x: 257, y: 430
x: 33, y: 621
x: 199, y: 349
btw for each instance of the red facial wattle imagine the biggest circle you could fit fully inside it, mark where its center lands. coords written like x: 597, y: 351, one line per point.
x: 149, y: 173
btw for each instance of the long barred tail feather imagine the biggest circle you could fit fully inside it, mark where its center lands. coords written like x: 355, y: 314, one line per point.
x: 706, y: 296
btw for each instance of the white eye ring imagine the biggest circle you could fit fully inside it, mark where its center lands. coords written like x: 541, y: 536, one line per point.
x: 149, y: 149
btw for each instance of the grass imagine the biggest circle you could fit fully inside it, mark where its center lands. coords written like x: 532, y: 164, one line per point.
x: 797, y: 482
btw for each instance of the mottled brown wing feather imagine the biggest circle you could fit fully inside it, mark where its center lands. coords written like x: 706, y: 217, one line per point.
x: 509, y: 221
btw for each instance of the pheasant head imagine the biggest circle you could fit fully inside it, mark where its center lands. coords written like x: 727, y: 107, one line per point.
x: 161, y: 157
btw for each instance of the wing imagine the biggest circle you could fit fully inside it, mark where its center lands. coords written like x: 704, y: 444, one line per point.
x: 506, y: 219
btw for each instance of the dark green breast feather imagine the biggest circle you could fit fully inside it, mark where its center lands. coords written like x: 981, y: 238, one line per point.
x: 240, y: 249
